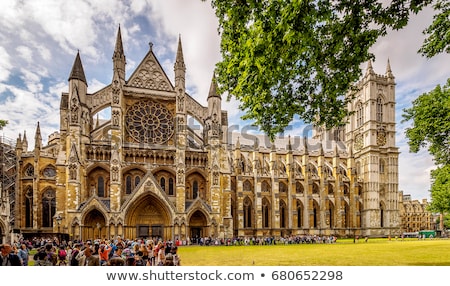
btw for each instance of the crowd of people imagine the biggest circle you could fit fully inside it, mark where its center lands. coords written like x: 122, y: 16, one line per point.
x: 98, y: 252
x: 125, y: 252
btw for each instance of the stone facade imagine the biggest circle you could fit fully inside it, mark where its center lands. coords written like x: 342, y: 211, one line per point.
x: 414, y: 215
x: 7, y: 187
x: 148, y: 172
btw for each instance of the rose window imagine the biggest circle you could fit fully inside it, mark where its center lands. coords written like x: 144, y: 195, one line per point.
x: 149, y: 122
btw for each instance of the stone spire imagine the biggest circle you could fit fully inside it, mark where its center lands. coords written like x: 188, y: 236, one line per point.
x: 238, y: 144
x: 213, y: 88
x: 119, y: 61
x: 388, y: 70
x: 179, y: 61
x: 369, y: 69
x: 77, y: 70
x: 25, y: 141
x: 38, y: 137
x: 179, y: 67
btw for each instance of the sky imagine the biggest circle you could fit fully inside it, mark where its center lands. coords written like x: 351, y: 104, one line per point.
x: 40, y: 39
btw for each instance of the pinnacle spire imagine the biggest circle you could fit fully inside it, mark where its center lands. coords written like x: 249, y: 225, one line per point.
x: 25, y: 141
x: 119, y: 45
x: 369, y: 69
x: 179, y: 61
x: 38, y: 137
x: 119, y: 56
x: 213, y: 88
x: 77, y: 70
x: 388, y: 69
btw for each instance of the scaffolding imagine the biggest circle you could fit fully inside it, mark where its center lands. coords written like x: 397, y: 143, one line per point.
x: 8, y: 174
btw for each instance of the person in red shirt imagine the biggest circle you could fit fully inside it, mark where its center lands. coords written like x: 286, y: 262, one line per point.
x: 103, y: 252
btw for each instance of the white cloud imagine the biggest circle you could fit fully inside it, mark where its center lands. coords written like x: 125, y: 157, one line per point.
x: 25, y: 52
x: 5, y: 65
x: 201, y: 43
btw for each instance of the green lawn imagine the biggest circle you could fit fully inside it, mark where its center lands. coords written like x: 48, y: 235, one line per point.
x: 376, y: 252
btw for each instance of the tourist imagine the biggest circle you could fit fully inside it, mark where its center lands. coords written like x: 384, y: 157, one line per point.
x: 23, y: 254
x: 7, y: 258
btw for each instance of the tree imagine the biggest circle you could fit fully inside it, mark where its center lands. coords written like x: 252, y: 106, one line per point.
x: 438, y: 32
x: 440, y: 191
x: 286, y: 58
x: 430, y: 115
x: 3, y: 123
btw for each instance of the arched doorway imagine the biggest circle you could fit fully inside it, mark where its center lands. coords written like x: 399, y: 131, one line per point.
x: 94, y: 225
x: 148, y: 217
x: 197, y: 225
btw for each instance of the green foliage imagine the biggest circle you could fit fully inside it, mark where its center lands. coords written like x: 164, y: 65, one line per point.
x: 287, y: 58
x: 440, y: 190
x: 430, y: 115
x: 446, y: 221
x: 438, y: 32
x: 3, y: 123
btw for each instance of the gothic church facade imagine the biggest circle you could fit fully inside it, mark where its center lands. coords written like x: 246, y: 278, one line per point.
x: 147, y: 173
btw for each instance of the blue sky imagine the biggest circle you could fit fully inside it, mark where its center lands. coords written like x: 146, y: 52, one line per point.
x: 39, y: 41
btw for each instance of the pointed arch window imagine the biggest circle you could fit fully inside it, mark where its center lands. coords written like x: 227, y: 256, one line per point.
x: 379, y: 109
x: 48, y: 208
x: 299, y: 214
x: 171, y: 192
x: 315, y: 189
x: 265, y: 187
x: 283, y: 188
x: 29, y: 208
x: 381, y: 166
x: 359, y: 114
x: 247, y: 213
x: 162, y: 182
x: 137, y: 180
x: 247, y: 186
x: 101, y: 187
x: 315, y: 216
x: 128, y: 185
x: 283, y: 217
x: 195, y: 189
x: 299, y: 188
x: 330, y: 189
x: 266, y: 215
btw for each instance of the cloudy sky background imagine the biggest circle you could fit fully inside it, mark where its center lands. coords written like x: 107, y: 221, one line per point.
x: 39, y: 41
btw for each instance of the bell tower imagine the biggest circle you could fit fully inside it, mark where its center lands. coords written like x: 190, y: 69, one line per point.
x: 370, y: 136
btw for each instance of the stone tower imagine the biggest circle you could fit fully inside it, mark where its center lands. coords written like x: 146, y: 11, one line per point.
x: 370, y: 137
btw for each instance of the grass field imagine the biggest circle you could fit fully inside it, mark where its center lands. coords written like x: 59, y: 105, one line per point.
x: 376, y: 252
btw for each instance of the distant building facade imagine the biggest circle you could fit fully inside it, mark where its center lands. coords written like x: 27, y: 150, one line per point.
x: 414, y: 214
x: 7, y: 188
x: 146, y: 172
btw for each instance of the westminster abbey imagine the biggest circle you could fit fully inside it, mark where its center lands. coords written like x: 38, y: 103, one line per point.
x: 146, y: 172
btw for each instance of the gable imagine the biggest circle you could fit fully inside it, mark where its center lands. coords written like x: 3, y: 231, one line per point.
x: 150, y: 75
